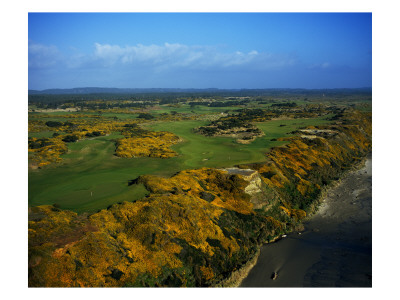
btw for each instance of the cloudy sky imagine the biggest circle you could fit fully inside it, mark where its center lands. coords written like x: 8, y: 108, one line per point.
x: 199, y: 50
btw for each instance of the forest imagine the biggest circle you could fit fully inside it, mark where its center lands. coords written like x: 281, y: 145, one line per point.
x: 181, y: 188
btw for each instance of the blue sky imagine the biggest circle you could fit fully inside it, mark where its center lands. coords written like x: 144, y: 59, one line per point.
x: 199, y: 50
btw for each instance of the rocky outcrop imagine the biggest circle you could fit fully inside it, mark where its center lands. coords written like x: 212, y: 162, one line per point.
x: 261, y: 196
x: 253, y: 178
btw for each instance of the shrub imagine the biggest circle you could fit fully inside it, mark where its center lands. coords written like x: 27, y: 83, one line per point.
x: 71, y: 138
x: 145, y: 116
x: 53, y: 124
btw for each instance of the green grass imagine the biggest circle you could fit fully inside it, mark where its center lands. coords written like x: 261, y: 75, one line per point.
x: 120, y: 116
x: 200, y: 151
x: 91, y: 177
x: 198, y: 109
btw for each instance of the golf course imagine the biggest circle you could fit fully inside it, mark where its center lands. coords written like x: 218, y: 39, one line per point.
x: 90, y: 176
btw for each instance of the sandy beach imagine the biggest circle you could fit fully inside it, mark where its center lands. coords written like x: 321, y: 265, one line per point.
x: 334, y: 250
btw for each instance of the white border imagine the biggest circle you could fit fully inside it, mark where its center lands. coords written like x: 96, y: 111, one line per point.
x: 13, y: 22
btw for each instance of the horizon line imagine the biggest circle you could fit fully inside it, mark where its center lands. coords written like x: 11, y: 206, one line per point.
x: 194, y: 88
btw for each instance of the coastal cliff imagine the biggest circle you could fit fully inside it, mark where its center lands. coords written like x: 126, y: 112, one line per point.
x: 199, y: 226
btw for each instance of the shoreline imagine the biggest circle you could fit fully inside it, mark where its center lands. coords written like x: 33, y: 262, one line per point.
x: 237, y: 277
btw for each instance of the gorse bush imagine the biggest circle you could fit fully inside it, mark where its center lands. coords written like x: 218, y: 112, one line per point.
x: 70, y: 138
x: 147, y: 144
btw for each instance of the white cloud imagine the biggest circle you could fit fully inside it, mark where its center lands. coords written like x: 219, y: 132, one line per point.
x: 42, y: 56
x: 157, y: 58
x: 152, y: 54
x: 183, y: 56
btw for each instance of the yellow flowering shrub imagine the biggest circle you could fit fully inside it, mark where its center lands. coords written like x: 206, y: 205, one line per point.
x: 226, y: 191
x: 153, y: 144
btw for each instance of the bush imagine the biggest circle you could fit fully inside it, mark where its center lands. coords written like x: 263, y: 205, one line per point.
x: 145, y: 116
x: 38, y: 143
x: 70, y: 138
x: 93, y: 134
x: 53, y: 124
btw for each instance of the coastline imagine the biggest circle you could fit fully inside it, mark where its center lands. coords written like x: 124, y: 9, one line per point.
x: 320, y: 209
x: 236, y: 277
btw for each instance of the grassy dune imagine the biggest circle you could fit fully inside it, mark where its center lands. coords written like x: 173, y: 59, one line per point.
x: 92, y: 178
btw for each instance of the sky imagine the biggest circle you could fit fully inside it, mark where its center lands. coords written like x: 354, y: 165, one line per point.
x: 199, y: 50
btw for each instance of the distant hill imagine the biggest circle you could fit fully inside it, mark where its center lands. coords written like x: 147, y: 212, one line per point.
x: 102, y: 90
x: 99, y: 90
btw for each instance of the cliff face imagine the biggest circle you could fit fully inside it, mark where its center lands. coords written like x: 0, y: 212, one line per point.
x: 197, y: 226
x: 260, y: 195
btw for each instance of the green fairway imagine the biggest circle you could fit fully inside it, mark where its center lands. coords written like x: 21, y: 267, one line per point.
x: 200, y: 151
x: 91, y: 177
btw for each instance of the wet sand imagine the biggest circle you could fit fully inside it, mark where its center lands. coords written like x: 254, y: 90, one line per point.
x: 334, y: 250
